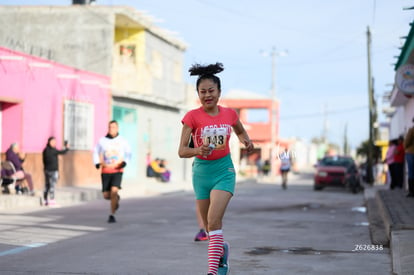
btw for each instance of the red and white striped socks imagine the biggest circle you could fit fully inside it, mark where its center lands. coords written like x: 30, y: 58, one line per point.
x: 215, y: 250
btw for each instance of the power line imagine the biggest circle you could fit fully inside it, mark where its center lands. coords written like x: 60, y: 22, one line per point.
x: 374, y: 10
x: 265, y: 20
x: 324, y: 113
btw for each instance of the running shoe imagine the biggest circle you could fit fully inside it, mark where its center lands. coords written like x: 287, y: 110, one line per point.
x: 111, y: 219
x: 201, y: 236
x: 224, y: 266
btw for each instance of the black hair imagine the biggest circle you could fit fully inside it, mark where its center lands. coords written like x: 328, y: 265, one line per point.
x: 113, y: 121
x: 50, y: 139
x: 207, y: 72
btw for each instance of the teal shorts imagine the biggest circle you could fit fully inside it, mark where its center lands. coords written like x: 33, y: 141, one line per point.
x: 210, y: 175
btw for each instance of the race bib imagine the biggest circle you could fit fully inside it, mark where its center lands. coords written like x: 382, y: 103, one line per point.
x: 216, y: 136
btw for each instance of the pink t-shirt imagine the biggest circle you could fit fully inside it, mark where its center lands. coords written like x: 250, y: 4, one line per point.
x: 389, y: 158
x: 213, y: 129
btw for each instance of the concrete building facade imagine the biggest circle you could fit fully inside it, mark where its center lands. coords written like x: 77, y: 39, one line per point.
x: 144, y: 63
x: 40, y: 99
x: 402, y: 98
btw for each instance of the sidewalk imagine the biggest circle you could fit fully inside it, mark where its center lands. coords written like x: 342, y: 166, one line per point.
x: 391, y: 218
x: 66, y: 196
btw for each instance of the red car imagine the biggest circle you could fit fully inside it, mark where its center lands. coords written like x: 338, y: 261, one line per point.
x: 337, y: 171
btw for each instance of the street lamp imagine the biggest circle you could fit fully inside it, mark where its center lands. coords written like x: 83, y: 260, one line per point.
x: 273, y: 54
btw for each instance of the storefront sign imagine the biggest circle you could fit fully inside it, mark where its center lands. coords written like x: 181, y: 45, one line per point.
x: 404, y: 79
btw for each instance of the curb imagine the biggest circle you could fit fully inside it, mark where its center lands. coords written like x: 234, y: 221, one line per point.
x: 385, y: 214
x: 391, y: 221
x: 68, y: 196
x: 64, y: 196
x: 18, y: 201
x: 376, y: 225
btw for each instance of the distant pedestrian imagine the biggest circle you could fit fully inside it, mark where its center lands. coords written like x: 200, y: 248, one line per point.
x: 285, y: 165
x: 409, y: 157
x: 399, y: 163
x: 51, y: 169
x: 266, y: 167
x: 390, y: 162
x: 214, y: 176
x: 111, y: 154
x: 259, y: 167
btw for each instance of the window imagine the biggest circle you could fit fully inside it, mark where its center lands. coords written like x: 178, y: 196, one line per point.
x: 78, y: 121
x: 127, y: 54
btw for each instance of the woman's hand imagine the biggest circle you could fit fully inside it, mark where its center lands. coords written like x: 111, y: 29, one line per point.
x: 249, y: 145
x: 205, y: 150
x: 22, y: 155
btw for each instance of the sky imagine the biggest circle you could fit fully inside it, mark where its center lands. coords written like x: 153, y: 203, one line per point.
x: 321, y: 72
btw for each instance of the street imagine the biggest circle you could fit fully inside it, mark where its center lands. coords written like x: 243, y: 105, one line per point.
x: 270, y: 231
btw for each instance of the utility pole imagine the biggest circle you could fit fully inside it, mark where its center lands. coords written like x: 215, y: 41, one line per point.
x: 273, y: 54
x: 370, y: 177
x: 325, y: 124
x: 273, y: 118
x: 346, y: 146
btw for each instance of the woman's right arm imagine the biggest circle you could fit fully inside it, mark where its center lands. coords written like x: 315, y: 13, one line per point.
x: 184, y: 151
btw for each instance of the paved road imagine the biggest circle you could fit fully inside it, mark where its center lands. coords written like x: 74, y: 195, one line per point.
x: 271, y: 231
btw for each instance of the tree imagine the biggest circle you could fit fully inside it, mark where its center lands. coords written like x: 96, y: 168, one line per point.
x: 362, y: 150
x: 346, y: 145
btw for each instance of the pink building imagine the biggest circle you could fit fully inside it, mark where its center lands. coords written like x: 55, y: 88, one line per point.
x: 39, y: 99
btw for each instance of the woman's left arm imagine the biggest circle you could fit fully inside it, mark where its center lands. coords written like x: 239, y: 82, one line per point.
x: 63, y: 151
x: 21, y: 156
x: 243, y: 136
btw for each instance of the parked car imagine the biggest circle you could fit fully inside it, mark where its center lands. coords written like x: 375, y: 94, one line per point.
x: 337, y: 171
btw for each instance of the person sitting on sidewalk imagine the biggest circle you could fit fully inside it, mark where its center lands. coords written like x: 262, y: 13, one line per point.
x: 167, y: 174
x: 15, y: 156
x: 156, y: 170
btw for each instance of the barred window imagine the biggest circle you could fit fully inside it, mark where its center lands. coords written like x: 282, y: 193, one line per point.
x: 78, y: 121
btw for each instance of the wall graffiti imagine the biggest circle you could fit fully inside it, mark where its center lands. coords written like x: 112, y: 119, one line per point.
x: 28, y: 48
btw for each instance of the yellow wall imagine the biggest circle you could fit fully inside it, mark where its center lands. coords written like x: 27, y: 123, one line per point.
x: 130, y: 73
x: 383, y: 144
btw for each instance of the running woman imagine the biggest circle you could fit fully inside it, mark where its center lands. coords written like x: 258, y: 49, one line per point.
x: 214, y: 177
x: 112, y: 154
